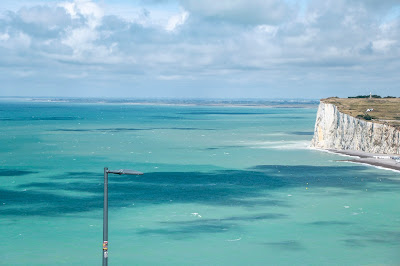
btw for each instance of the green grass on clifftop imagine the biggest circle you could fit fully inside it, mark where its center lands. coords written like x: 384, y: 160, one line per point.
x: 385, y: 110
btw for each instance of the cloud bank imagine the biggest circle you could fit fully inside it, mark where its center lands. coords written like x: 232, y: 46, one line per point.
x: 188, y: 48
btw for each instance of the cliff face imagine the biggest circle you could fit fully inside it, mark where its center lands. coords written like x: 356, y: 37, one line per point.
x: 335, y: 130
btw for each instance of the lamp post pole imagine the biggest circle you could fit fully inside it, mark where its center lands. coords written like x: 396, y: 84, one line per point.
x: 105, y: 219
x: 105, y: 207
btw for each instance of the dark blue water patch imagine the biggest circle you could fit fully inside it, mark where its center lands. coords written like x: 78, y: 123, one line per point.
x: 368, y: 238
x: 245, y: 218
x: 189, y: 128
x: 13, y: 172
x: 71, y: 186
x: 352, y: 178
x: 37, y: 203
x: 357, y: 243
x: 290, y: 117
x: 224, y: 113
x: 262, y: 202
x: 73, y: 130
x: 166, y: 117
x: 233, y: 146
x: 330, y: 223
x: 247, y: 188
x: 196, y: 226
x: 81, y: 174
x: 288, y: 245
x: 36, y: 118
x: 224, y: 147
x: 302, y: 133
x: 189, y: 231
x: 115, y: 130
x: 100, y: 129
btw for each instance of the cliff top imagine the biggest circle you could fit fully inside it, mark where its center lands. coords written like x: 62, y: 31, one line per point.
x: 380, y: 110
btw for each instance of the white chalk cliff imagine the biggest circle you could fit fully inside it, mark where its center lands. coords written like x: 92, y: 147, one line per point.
x: 335, y: 130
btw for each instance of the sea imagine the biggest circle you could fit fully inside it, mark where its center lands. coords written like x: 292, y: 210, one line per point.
x: 223, y: 184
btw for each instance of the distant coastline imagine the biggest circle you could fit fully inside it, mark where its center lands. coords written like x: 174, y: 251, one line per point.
x: 275, y: 103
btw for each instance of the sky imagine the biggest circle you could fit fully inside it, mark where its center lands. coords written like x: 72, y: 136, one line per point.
x: 199, y: 49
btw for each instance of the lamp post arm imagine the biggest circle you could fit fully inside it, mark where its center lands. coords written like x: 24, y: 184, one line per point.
x: 124, y: 172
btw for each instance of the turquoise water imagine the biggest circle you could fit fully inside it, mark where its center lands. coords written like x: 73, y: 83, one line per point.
x: 222, y: 186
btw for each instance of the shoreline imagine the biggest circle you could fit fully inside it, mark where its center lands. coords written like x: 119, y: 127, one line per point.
x: 369, y: 159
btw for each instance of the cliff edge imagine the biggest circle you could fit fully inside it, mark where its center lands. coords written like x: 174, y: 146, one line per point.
x: 338, y: 131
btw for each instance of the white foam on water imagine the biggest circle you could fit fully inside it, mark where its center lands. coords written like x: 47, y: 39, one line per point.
x: 332, y: 152
x: 375, y: 166
x: 232, y: 240
x: 279, y: 145
x: 384, y: 168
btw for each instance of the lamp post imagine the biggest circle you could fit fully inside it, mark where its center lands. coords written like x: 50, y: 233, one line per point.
x: 105, y: 207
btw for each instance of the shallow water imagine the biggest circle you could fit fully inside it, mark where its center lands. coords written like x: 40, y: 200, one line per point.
x: 222, y: 186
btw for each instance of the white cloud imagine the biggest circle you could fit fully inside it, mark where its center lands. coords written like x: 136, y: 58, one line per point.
x: 4, y: 36
x: 80, y: 39
x: 75, y: 75
x: 383, y: 45
x: 23, y: 73
x: 22, y: 40
x: 85, y: 39
x: 15, y: 41
x: 176, y: 21
x: 240, y: 11
x: 43, y: 15
x: 70, y: 7
x: 170, y: 77
x: 89, y: 10
x: 268, y: 29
